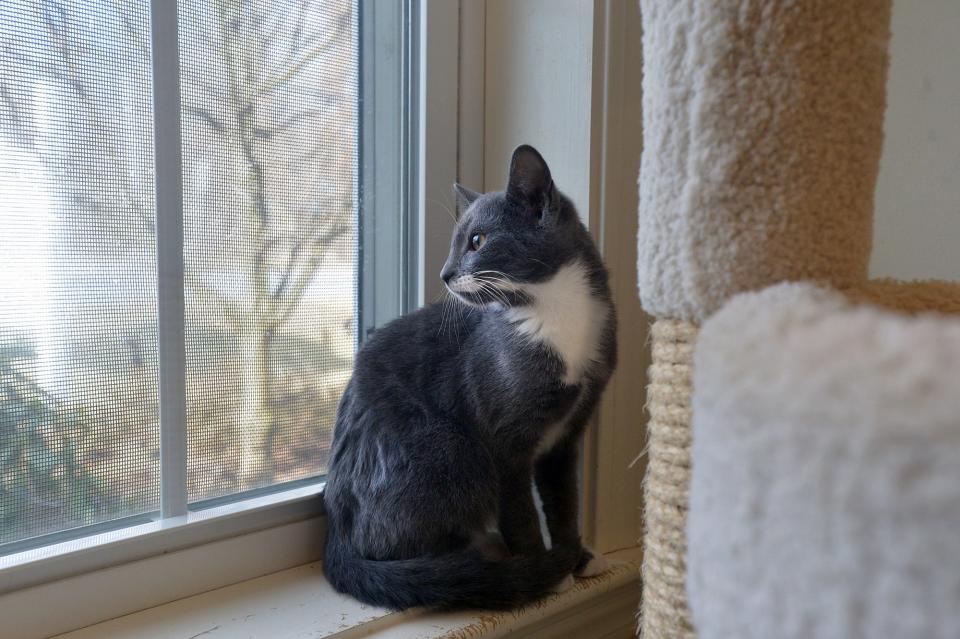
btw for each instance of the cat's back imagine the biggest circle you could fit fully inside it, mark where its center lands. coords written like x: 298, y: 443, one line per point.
x: 404, y: 383
x: 437, y: 329
x: 414, y: 353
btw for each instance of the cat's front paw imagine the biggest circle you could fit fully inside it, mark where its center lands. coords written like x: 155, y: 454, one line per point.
x: 563, y: 585
x: 591, y: 564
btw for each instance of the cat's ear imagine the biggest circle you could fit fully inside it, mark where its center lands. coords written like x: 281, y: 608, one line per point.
x: 464, y: 197
x: 529, y: 184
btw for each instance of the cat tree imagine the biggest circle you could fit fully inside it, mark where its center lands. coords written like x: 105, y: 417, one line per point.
x: 825, y: 492
x: 762, y: 136
x: 810, y: 433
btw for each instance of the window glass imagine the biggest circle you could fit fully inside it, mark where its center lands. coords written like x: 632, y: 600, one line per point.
x: 270, y: 95
x: 78, y: 329
x: 270, y: 98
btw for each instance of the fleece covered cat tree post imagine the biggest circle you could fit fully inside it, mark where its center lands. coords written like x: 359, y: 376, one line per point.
x: 803, y: 477
x: 825, y: 492
x: 762, y: 136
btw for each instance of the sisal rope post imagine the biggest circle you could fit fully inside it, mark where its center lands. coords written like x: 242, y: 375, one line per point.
x: 663, y: 610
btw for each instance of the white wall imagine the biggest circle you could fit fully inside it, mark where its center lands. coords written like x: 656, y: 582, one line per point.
x: 538, y: 82
x: 918, y: 194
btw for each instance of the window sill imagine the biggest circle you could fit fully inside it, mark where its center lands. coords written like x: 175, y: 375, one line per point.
x: 86, y: 554
x: 299, y: 603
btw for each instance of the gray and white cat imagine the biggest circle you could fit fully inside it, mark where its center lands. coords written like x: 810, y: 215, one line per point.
x: 443, y: 429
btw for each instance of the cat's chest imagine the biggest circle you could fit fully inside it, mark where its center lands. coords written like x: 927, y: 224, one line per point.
x: 565, y: 317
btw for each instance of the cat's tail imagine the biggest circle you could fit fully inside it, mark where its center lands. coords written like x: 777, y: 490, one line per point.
x: 465, y: 579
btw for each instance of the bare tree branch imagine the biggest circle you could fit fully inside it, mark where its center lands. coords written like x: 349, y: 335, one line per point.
x: 207, y: 118
x: 290, y: 299
x: 268, y: 133
x: 58, y: 26
x: 208, y: 295
x: 136, y: 37
x: 293, y: 69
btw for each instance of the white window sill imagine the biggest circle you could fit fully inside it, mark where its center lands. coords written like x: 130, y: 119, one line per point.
x: 298, y: 602
x: 103, y: 550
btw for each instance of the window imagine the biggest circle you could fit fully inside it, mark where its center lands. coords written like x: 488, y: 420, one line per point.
x: 291, y: 161
x: 73, y: 254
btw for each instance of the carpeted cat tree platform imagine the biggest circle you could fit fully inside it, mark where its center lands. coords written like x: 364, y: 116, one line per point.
x: 825, y: 493
x: 804, y: 433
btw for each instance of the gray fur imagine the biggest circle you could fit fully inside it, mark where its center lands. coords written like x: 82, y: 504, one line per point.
x: 441, y: 428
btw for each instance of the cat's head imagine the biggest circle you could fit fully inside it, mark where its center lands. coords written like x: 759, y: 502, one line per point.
x: 506, y: 240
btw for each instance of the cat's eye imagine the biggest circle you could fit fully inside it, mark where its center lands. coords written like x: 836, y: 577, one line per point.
x: 477, y: 241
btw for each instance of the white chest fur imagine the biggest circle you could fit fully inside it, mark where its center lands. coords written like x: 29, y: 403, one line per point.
x: 564, y: 316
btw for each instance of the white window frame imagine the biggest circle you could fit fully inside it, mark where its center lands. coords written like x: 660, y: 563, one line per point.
x: 80, y: 582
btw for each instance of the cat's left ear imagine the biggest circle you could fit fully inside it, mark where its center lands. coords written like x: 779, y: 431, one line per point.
x: 464, y: 197
x: 530, y: 183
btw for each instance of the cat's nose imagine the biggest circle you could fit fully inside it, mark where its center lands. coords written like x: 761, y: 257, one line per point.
x: 447, y: 273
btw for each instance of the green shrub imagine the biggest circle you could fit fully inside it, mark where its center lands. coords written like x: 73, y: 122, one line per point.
x: 44, y: 483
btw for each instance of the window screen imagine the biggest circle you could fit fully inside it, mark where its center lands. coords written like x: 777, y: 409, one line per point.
x: 269, y: 127
x: 269, y: 92
x: 78, y: 331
